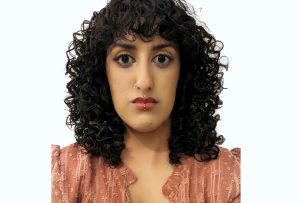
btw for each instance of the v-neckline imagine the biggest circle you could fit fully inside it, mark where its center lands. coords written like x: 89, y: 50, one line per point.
x: 169, y: 188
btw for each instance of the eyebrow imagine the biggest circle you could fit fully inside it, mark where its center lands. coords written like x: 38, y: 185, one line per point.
x: 133, y: 47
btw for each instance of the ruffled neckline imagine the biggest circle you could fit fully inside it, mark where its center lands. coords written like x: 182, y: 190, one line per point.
x: 170, y: 187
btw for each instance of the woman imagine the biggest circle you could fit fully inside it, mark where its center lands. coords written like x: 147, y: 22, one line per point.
x: 145, y: 80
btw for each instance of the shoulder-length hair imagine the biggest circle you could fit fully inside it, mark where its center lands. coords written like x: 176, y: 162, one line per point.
x: 98, y: 128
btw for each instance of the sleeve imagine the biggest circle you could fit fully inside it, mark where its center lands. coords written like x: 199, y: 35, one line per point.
x: 236, y: 184
x: 67, y: 172
x: 237, y: 153
x: 56, y: 177
x: 237, y: 199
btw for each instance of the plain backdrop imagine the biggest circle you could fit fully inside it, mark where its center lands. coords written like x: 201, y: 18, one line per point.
x: 260, y: 113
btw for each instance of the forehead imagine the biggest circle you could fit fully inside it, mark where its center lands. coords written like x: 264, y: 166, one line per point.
x: 133, y: 37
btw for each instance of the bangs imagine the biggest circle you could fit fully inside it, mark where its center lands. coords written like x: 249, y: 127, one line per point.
x: 143, y: 19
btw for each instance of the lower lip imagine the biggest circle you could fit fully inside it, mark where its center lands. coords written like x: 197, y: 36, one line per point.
x: 144, y: 106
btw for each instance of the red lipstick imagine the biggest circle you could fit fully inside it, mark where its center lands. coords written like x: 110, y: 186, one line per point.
x: 144, y: 103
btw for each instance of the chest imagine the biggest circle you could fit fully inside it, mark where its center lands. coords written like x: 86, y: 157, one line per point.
x: 147, y: 191
x: 149, y: 185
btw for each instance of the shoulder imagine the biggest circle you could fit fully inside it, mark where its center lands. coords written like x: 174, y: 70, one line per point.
x: 232, y: 156
x: 227, y: 168
x: 227, y: 162
x: 73, y: 150
x: 71, y: 158
x: 226, y: 158
x: 223, y: 172
x: 230, y: 165
x: 68, y: 167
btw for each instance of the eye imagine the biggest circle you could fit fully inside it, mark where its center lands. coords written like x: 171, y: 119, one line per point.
x: 124, y: 59
x: 162, y: 59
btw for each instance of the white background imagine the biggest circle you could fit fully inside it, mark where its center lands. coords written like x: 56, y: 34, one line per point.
x: 260, y: 113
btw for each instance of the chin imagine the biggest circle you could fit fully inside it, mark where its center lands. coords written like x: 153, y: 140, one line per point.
x: 145, y: 127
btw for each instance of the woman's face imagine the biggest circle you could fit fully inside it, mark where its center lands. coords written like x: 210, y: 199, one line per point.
x: 143, y: 77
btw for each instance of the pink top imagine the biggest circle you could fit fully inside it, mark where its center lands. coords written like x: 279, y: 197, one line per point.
x: 79, y: 177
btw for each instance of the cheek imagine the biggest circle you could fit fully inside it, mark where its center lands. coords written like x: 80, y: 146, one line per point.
x: 117, y: 90
x: 173, y: 88
x: 169, y: 88
x: 173, y: 82
x: 118, y: 85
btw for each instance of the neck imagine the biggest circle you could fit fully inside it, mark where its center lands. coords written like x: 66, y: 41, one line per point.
x: 151, y: 146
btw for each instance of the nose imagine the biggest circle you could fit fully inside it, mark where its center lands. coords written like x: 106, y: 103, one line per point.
x: 144, y: 78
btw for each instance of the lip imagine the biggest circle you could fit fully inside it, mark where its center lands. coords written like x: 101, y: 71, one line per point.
x: 144, y: 100
x: 144, y: 103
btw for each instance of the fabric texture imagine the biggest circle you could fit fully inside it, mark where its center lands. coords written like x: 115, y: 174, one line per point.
x: 78, y: 177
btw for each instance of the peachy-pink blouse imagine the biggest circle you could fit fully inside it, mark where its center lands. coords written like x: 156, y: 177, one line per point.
x: 78, y: 177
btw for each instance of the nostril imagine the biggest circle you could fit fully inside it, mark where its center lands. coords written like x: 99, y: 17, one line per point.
x: 138, y: 88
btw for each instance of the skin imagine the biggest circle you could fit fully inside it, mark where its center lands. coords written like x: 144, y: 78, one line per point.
x: 134, y: 69
x: 155, y: 74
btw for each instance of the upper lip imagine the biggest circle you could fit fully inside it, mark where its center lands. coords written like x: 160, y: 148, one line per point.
x: 144, y: 100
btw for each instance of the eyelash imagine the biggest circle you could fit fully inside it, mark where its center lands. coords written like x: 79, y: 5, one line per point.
x: 117, y: 58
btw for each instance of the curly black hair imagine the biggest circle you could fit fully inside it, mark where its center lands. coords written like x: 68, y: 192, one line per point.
x: 98, y: 128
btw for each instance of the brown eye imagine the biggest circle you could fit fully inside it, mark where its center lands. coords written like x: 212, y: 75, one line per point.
x: 124, y: 59
x: 162, y: 59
